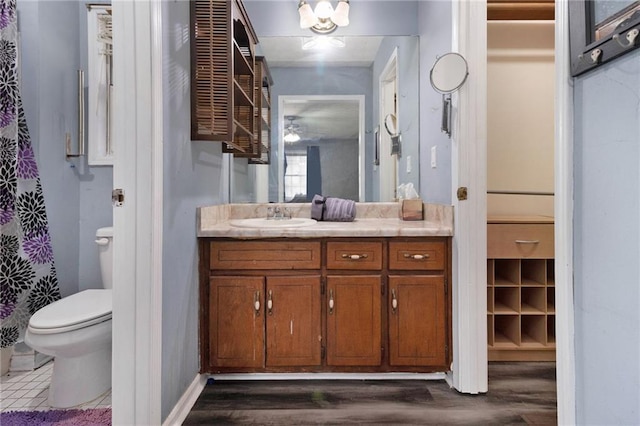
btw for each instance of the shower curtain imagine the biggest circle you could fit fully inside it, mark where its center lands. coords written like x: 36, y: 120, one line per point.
x: 27, y: 274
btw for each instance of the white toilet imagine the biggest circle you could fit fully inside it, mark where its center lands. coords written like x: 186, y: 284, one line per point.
x: 76, y: 331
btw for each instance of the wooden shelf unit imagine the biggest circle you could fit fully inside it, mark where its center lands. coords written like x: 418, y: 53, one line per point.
x: 262, y: 111
x: 223, y: 75
x: 520, y: 289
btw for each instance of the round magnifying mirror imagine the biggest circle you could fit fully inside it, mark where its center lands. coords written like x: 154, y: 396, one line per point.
x: 449, y: 73
x: 391, y: 124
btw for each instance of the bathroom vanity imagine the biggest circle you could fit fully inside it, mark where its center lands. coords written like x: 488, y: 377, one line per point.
x: 365, y: 296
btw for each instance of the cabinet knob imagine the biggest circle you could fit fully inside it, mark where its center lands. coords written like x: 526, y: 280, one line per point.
x: 355, y: 256
x: 270, y: 303
x: 416, y: 256
x: 394, y: 301
x: 256, y: 302
x: 331, y: 302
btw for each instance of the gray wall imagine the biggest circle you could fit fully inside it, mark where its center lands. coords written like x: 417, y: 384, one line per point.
x: 607, y: 243
x: 192, y: 178
x: 77, y: 197
x: 96, y: 183
x: 435, y: 40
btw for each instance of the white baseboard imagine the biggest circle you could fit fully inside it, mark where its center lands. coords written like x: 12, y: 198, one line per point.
x: 186, y: 402
x: 328, y: 376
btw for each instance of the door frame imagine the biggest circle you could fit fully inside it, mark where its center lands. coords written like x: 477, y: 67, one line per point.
x: 563, y: 206
x: 388, y: 168
x: 469, y: 170
x: 468, y: 18
x: 137, y: 169
x: 136, y: 382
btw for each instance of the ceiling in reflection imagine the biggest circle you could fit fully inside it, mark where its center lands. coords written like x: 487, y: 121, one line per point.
x: 289, y: 52
x: 324, y: 119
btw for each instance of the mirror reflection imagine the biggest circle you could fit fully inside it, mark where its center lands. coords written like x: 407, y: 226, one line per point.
x: 333, y: 93
x: 324, y: 155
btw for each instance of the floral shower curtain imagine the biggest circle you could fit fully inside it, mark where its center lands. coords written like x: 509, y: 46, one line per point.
x: 27, y: 274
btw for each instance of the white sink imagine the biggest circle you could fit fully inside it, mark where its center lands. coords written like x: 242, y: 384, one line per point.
x: 260, y: 222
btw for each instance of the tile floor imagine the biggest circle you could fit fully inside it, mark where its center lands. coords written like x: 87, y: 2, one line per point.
x: 28, y: 390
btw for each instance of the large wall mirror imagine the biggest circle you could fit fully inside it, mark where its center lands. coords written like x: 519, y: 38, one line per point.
x: 334, y: 93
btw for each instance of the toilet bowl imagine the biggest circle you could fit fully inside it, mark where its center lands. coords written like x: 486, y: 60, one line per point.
x: 76, y: 331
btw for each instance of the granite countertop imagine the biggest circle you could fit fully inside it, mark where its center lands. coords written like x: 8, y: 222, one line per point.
x: 372, y: 220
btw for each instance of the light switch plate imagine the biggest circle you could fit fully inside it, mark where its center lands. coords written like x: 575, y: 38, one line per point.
x: 433, y: 157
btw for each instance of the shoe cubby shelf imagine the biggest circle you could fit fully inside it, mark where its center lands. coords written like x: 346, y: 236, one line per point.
x: 520, y: 297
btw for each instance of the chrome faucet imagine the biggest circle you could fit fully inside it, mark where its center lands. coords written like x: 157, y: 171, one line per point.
x: 278, y: 213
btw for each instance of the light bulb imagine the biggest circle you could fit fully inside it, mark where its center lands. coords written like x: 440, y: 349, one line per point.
x: 307, y: 18
x: 341, y: 15
x: 324, y: 10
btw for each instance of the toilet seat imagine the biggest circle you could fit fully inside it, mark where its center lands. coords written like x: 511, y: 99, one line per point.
x: 73, y: 312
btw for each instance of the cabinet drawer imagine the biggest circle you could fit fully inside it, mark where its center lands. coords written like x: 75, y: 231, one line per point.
x: 354, y: 255
x: 419, y: 255
x: 265, y: 255
x: 514, y: 240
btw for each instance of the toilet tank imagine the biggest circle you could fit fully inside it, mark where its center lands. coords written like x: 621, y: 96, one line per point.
x: 104, y: 240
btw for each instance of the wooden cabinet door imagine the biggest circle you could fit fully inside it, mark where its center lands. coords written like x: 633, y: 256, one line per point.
x: 353, y: 320
x: 293, y: 321
x: 417, y: 318
x: 237, y: 321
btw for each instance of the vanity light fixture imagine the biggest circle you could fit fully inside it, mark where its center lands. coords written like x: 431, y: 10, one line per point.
x: 323, y: 19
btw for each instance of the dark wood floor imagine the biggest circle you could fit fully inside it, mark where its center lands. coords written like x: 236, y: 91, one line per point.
x: 519, y: 393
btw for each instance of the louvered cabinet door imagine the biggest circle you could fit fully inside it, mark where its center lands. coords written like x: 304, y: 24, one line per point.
x: 211, y: 71
x: 223, y: 75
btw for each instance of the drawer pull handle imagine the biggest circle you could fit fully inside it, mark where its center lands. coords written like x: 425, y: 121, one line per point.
x: 394, y: 301
x: 527, y: 241
x: 270, y: 303
x: 416, y: 256
x: 331, y: 302
x: 355, y: 256
x: 256, y: 302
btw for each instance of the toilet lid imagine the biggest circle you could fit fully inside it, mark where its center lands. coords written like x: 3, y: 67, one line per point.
x: 79, y: 310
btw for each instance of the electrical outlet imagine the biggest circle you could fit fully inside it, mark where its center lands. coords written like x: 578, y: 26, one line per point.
x: 408, y: 164
x: 433, y: 157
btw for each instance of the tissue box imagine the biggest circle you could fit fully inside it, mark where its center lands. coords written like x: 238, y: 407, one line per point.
x: 412, y: 209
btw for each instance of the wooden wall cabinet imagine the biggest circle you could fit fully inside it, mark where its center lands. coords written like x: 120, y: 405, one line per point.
x: 223, y: 75
x: 520, y: 289
x: 263, y: 112
x: 331, y: 304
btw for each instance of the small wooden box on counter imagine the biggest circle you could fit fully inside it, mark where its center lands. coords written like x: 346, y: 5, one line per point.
x: 412, y: 209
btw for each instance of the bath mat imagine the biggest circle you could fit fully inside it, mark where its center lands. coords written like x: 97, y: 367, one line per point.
x: 92, y: 417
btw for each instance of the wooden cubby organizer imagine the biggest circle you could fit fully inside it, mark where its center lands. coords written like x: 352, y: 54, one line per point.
x: 520, y: 289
